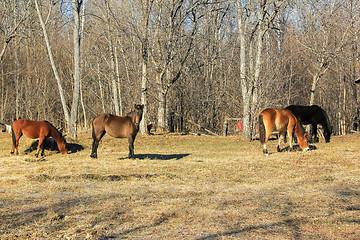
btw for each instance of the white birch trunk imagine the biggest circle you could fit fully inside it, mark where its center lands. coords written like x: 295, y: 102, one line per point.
x: 77, y: 68
x: 53, y: 65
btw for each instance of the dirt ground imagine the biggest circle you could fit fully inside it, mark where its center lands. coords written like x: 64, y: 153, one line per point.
x: 181, y: 187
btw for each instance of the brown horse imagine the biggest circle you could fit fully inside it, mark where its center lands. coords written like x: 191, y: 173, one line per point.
x: 36, y: 129
x: 283, y: 121
x: 117, y: 127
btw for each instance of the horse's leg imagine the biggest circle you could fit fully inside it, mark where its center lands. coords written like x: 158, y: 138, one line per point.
x: 290, y: 133
x: 40, y: 146
x: 43, y: 147
x: 314, y: 135
x: 282, y: 135
x: 96, y: 139
x: 15, y: 143
x: 268, y: 130
x: 131, y: 140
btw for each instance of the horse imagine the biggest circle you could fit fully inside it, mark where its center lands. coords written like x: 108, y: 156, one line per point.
x: 313, y: 115
x: 283, y: 121
x: 117, y: 127
x: 36, y: 129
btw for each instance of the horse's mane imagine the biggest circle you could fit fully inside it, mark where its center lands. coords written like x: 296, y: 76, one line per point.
x: 57, y: 130
x: 327, y: 121
x: 130, y: 113
x: 301, y: 127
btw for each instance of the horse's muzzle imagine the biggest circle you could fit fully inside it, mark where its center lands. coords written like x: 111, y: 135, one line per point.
x: 306, y: 149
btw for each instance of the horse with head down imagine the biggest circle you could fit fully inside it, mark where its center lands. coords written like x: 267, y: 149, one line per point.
x: 313, y: 115
x: 283, y: 121
x: 36, y: 129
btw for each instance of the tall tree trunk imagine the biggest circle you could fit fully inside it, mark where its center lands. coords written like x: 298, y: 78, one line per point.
x: 321, y: 70
x: 112, y: 61
x: 161, y: 123
x: 77, y: 67
x: 118, y: 82
x: 56, y: 73
x: 81, y: 91
x: 143, y: 126
x: 243, y: 79
x: 17, y: 77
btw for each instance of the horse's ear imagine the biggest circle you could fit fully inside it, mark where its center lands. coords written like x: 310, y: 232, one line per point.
x: 139, y: 106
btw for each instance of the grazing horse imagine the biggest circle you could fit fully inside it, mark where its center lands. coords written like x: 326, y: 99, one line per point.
x: 117, y: 127
x: 313, y: 115
x: 283, y: 121
x: 36, y: 129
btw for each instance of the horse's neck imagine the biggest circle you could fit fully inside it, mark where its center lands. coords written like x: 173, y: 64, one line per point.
x: 55, y: 135
x: 132, y: 116
x: 298, y: 130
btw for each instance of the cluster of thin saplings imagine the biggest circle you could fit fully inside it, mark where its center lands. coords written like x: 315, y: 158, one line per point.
x: 287, y: 120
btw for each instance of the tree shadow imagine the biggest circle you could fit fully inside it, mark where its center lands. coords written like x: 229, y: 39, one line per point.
x: 292, y: 224
x: 51, y: 145
x: 164, y: 157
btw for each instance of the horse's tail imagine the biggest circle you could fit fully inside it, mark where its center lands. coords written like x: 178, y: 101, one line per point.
x: 13, y: 136
x: 93, y: 131
x: 261, y: 129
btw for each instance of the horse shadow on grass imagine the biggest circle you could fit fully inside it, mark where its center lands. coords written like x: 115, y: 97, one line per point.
x: 297, y: 148
x: 51, y: 145
x: 164, y: 157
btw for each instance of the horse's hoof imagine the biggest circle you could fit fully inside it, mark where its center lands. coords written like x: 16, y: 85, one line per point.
x: 11, y: 152
x: 278, y: 149
x: 93, y: 156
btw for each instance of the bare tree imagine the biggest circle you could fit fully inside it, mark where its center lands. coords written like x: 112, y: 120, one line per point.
x: 321, y: 36
x: 76, y: 4
x: 52, y: 62
x: 172, y: 46
x: 10, y: 32
x: 254, y: 20
x: 72, y: 117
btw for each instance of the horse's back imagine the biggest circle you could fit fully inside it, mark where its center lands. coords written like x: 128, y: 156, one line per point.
x: 308, y: 114
x: 115, y: 126
x: 30, y: 128
x: 277, y: 119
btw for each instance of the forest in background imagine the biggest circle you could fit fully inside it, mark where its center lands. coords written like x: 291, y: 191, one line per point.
x: 196, y: 62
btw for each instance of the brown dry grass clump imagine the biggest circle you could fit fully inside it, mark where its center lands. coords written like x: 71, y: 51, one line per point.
x: 181, y: 187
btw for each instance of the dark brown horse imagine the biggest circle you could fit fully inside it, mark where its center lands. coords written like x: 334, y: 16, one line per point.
x: 283, y: 121
x: 117, y: 127
x: 313, y: 115
x: 36, y: 129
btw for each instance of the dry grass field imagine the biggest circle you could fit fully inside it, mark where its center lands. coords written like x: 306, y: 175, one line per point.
x: 181, y: 187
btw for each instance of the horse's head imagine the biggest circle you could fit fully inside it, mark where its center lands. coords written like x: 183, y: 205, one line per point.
x: 302, y: 136
x: 63, y: 147
x: 62, y: 144
x: 138, y: 114
x: 327, y: 134
x: 304, y: 142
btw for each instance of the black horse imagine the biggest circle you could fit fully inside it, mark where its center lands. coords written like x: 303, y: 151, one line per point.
x: 313, y: 115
